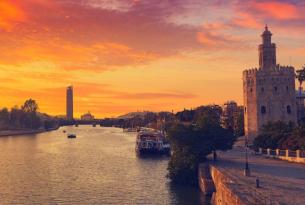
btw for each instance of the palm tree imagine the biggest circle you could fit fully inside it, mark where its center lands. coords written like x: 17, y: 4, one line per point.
x: 300, y: 75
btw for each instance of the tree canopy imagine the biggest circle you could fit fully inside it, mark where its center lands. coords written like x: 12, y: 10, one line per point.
x: 25, y: 117
x: 300, y: 75
x: 30, y: 106
x: 191, y: 143
x: 281, y: 135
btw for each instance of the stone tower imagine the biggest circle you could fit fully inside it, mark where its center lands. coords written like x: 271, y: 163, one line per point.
x: 269, y: 91
x: 69, y: 103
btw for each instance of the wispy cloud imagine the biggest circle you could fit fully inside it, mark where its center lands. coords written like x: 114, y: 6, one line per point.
x: 112, y: 50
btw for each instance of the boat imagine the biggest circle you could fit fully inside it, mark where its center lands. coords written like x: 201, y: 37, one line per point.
x: 152, y: 142
x: 94, y: 125
x: 130, y: 129
x: 71, y: 135
x: 76, y: 125
x: 64, y: 131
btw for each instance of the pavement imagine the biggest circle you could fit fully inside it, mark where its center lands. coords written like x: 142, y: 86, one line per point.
x: 281, y: 182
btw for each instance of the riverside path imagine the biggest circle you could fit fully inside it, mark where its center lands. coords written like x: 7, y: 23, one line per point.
x: 281, y: 182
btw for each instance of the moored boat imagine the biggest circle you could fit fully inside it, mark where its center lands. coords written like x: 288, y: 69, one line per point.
x: 71, y: 136
x: 152, y: 142
x: 130, y: 129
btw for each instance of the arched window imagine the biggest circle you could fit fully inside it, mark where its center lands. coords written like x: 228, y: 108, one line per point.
x: 287, y: 88
x: 245, y: 109
x: 275, y: 88
x: 263, y: 109
x: 262, y: 89
x: 251, y: 90
x: 288, y: 109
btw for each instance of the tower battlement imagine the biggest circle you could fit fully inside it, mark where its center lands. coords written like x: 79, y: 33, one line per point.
x: 250, y: 71
x: 279, y: 68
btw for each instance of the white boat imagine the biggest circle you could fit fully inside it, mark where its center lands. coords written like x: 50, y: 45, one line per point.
x: 152, y: 142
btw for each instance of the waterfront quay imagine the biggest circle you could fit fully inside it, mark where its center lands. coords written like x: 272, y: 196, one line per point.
x: 271, y: 181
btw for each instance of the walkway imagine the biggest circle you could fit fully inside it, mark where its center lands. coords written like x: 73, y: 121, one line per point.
x: 281, y: 182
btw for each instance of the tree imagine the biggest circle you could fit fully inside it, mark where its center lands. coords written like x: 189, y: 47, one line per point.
x: 29, y: 106
x: 29, y: 118
x: 273, y: 135
x: 296, y: 140
x: 15, y: 117
x: 191, y: 143
x: 4, y: 118
x: 300, y: 75
x: 210, y: 112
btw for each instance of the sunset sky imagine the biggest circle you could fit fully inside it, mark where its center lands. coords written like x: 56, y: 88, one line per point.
x: 134, y: 55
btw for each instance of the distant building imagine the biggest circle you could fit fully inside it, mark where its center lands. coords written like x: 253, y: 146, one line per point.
x: 269, y: 91
x: 88, y: 116
x: 69, y: 103
x: 232, y: 117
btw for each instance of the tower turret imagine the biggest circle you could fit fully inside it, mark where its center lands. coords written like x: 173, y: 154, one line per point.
x: 267, y: 51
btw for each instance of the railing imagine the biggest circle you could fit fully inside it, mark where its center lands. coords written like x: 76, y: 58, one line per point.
x: 288, y: 155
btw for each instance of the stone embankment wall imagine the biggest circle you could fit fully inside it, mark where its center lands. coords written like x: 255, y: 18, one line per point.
x: 212, y: 181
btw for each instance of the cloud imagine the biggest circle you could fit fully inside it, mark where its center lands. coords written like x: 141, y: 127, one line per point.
x: 246, y: 20
x: 277, y: 10
x: 11, y: 14
x: 217, y: 36
x: 94, y: 36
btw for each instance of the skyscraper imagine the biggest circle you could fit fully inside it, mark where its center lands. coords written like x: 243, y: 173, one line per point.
x: 69, y: 103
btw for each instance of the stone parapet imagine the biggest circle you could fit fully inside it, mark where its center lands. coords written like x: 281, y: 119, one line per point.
x: 280, y: 69
x: 297, y: 156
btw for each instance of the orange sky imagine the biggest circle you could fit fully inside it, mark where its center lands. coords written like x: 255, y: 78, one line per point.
x: 128, y: 55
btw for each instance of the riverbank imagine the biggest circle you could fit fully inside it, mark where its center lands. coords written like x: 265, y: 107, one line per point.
x: 279, y: 182
x: 5, y: 133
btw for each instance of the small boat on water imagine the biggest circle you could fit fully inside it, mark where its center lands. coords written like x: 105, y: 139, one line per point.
x: 64, y: 131
x: 152, y: 142
x: 130, y: 129
x: 71, y: 136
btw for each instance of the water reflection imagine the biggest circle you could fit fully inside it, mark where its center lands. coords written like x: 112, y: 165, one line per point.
x: 98, y: 167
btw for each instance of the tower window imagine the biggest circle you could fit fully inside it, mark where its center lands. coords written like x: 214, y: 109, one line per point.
x: 263, y: 109
x: 251, y: 90
x: 288, y: 109
x: 245, y: 109
x: 275, y: 88
x: 287, y: 88
x: 262, y: 89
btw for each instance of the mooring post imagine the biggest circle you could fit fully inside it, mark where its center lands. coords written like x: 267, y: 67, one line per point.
x: 257, y: 183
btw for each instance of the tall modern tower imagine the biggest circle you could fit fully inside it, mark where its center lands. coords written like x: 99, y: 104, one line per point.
x: 69, y: 103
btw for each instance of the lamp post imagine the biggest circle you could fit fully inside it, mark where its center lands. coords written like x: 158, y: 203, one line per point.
x: 247, y: 169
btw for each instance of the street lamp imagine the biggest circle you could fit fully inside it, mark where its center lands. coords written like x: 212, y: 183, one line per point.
x: 247, y: 169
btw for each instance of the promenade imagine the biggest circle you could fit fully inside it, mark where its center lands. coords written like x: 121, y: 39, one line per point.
x: 281, y: 182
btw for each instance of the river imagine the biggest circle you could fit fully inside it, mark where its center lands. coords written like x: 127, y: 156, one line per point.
x: 98, y: 167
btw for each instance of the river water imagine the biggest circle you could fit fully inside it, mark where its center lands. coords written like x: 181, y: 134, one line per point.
x: 98, y: 167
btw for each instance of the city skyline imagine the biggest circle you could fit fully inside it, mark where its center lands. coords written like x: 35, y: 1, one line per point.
x: 122, y: 56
